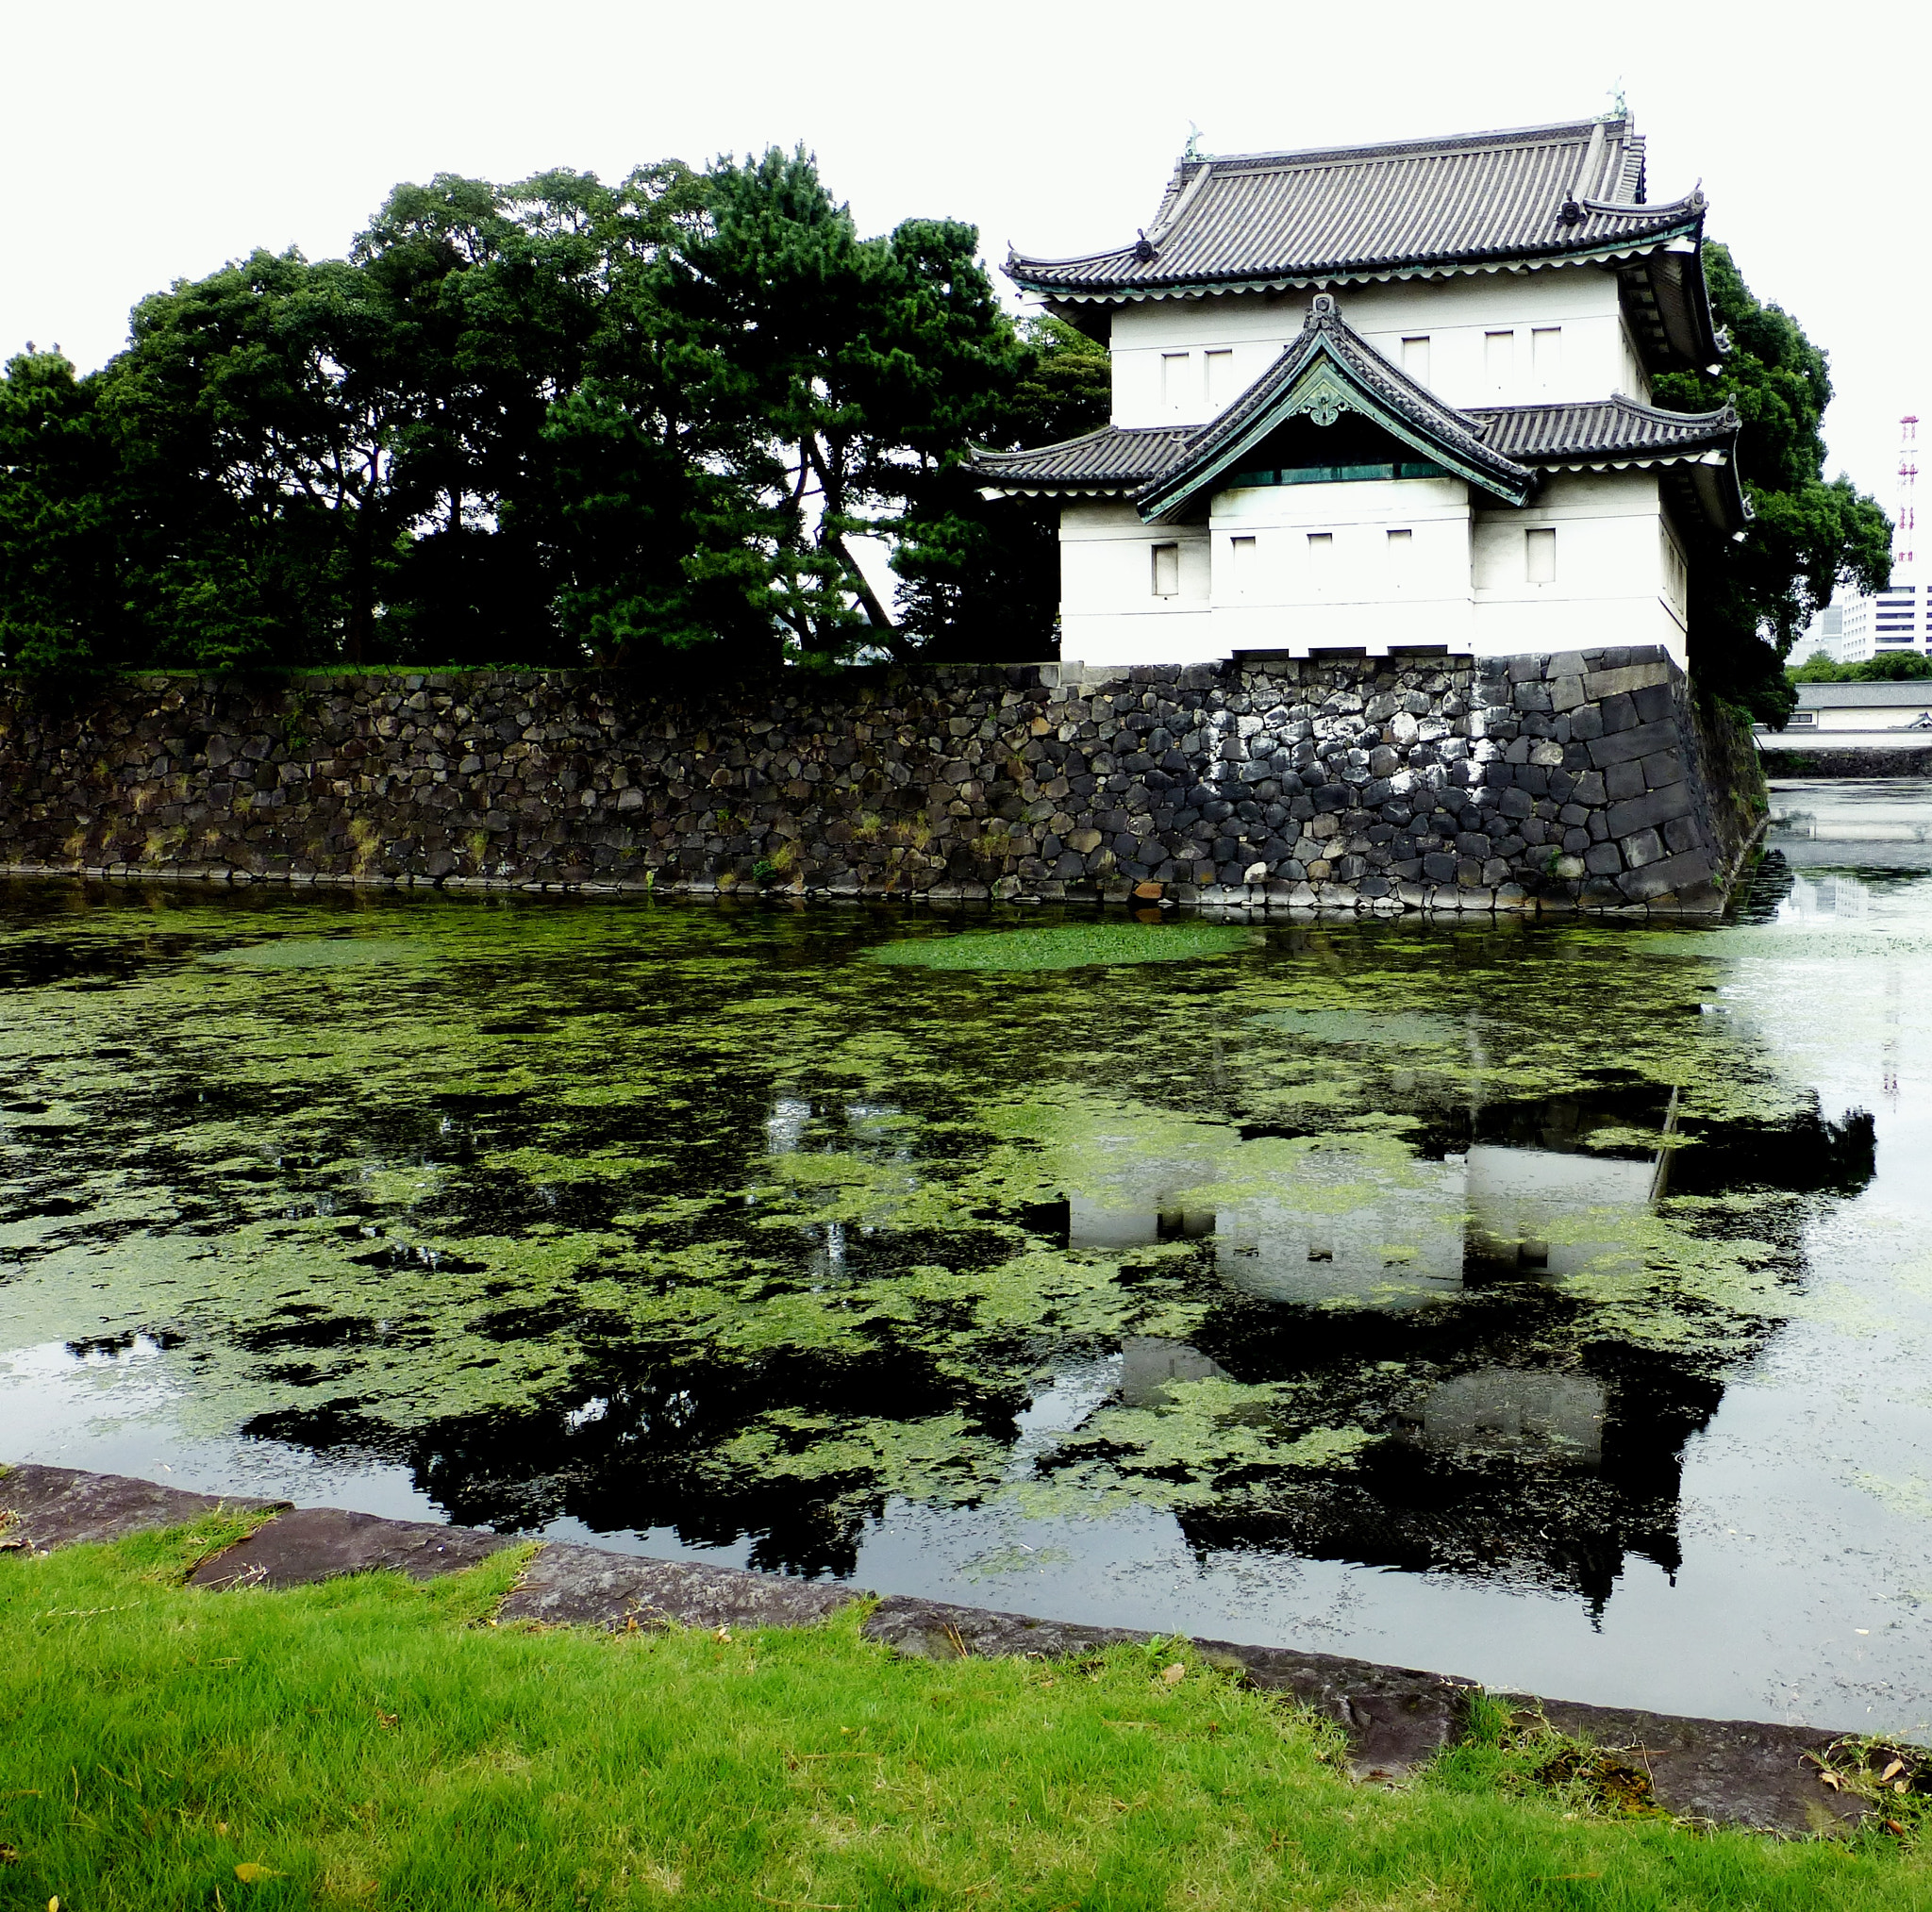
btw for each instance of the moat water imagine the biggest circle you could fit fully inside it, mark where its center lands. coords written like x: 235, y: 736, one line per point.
x: 1547, y: 1303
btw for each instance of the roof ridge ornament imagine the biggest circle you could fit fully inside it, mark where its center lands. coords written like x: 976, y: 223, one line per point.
x: 1324, y: 315
x: 1144, y: 248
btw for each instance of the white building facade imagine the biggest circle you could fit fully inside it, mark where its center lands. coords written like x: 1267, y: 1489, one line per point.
x: 1389, y: 398
x: 1856, y: 628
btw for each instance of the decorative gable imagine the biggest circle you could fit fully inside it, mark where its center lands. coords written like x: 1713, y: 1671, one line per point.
x: 1329, y: 369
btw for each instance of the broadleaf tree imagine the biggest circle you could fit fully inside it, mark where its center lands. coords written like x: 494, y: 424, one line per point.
x: 1750, y: 600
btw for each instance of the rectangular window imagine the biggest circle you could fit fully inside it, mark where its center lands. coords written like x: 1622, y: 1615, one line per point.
x: 1499, y: 359
x: 1803, y: 717
x: 1240, y: 551
x: 1167, y: 571
x: 1540, y: 555
x: 1175, y: 391
x: 1400, y: 543
x: 1415, y: 359
x: 1219, y: 372
x: 1320, y: 546
x: 1546, y: 355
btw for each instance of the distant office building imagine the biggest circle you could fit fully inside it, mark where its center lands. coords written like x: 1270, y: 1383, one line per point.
x: 1854, y: 628
x: 1851, y: 629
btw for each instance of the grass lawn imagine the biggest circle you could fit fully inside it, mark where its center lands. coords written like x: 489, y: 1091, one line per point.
x: 371, y: 1742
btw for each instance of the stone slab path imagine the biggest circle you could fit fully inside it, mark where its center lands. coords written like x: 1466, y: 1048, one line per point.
x: 1736, y: 1773
x: 299, y: 1547
x: 587, y: 1586
x: 61, y: 1506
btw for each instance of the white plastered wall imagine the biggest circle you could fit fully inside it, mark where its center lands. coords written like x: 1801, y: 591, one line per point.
x: 1461, y: 578
x: 1182, y: 362
x: 1372, y: 563
x: 1610, y: 583
x: 1110, y: 611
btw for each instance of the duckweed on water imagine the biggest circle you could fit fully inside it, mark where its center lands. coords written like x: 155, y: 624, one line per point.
x: 320, y: 952
x: 1397, y: 1028
x: 671, y: 1217
x: 1070, y: 946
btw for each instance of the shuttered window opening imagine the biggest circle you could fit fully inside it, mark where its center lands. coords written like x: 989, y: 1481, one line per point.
x: 1546, y: 356
x: 1240, y: 551
x: 1167, y: 571
x: 1499, y: 359
x: 1540, y: 555
x: 1415, y: 359
x: 1219, y: 372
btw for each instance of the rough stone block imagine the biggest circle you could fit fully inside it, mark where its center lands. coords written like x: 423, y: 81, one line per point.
x: 1566, y: 694
x: 1603, y: 859
x: 1655, y: 703
x: 1616, y: 713
x: 1681, y: 872
x: 1663, y: 768
x: 1648, y: 812
x: 1623, y: 678
x: 1627, y: 746
x: 1646, y: 846
x: 1622, y: 780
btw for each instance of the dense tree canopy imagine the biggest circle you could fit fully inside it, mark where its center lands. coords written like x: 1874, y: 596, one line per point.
x: 558, y: 420
x: 1888, y: 667
x: 1750, y: 602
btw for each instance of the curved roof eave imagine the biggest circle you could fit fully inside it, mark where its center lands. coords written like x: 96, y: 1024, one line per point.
x: 1095, y: 291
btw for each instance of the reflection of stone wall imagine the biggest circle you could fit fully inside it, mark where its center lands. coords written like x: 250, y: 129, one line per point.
x: 1413, y: 781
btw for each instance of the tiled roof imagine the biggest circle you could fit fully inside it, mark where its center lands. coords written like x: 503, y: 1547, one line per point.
x: 1602, y: 428
x: 1118, y: 460
x: 1905, y: 696
x: 1110, y: 459
x: 1284, y: 218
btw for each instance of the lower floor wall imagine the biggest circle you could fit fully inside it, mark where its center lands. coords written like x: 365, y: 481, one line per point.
x: 1555, y: 782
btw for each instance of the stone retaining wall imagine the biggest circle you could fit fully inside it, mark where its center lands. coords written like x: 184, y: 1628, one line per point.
x: 1415, y: 781
x: 1784, y: 759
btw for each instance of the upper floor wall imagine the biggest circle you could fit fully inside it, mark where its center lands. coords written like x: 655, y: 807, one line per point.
x: 1552, y: 335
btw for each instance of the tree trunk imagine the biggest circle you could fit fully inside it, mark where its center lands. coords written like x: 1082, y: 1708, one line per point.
x: 361, y: 592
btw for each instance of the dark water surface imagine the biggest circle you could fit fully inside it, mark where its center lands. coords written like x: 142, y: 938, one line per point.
x: 1546, y: 1304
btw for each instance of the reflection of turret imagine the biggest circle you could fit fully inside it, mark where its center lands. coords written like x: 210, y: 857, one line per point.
x: 1538, y: 1211
x: 1513, y: 1411
x: 1148, y: 1365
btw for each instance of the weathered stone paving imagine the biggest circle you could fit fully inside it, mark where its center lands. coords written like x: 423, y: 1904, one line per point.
x: 299, y: 1547
x: 588, y: 1586
x: 44, y: 1507
x: 1729, y: 1771
x: 1586, y: 780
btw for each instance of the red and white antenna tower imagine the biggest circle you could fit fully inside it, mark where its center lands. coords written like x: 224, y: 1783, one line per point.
x: 1903, y: 532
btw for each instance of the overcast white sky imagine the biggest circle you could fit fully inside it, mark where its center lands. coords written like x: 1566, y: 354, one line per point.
x: 141, y: 143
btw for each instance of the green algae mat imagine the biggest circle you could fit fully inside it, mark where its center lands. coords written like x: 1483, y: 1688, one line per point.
x: 1407, y: 1290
